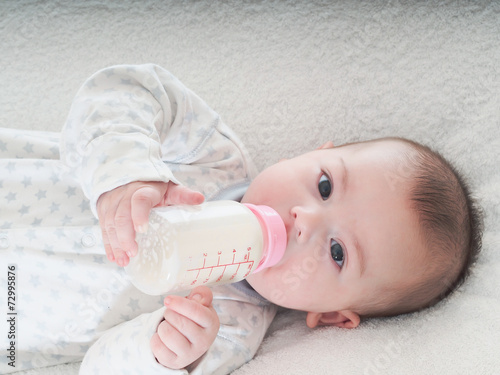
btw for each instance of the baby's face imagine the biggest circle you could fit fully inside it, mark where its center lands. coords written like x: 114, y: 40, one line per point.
x: 350, y: 228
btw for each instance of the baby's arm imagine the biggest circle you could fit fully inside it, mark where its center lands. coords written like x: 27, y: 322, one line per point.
x: 188, y: 330
x: 244, y: 318
x: 126, y: 122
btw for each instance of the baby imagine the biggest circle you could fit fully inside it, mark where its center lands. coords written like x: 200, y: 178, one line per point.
x: 375, y: 228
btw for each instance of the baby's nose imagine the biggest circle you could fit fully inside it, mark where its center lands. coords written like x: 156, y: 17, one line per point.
x: 304, y: 223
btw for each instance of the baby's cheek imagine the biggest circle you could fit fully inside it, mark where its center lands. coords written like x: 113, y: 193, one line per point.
x: 283, y: 285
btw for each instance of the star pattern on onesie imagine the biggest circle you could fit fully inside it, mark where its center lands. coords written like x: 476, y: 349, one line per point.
x: 71, y: 299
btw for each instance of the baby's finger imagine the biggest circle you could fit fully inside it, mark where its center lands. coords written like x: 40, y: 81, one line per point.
x: 163, y: 350
x: 124, y: 228
x: 102, y: 207
x: 119, y: 255
x: 179, y: 194
x: 162, y: 354
x: 110, y: 232
x: 193, y: 309
x: 186, y: 326
x: 142, y: 201
x: 174, y: 325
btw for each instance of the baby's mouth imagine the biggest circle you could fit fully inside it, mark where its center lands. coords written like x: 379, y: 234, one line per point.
x: 291, y: 232
x: 289, y: 229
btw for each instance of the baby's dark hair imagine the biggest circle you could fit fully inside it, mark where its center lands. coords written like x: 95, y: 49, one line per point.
x: 450, y: 224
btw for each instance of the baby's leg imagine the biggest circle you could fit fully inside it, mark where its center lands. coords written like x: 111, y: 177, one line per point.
x: 66, y: 292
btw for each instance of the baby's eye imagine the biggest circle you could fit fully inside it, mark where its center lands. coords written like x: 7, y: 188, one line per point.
x: 337, y: 253
x: 324, y: 187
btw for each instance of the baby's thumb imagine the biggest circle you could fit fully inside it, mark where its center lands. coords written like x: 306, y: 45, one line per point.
x: 201, y: 294
x: 179, y: 194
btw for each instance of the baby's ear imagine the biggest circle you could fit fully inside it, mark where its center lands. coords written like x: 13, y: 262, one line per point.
x: 341, y: 319
x: 328, y: 144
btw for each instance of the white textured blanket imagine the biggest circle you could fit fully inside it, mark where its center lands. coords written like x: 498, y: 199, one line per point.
x: 288, y: 76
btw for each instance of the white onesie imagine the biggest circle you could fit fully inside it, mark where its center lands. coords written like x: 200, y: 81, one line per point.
x: 127, y: 123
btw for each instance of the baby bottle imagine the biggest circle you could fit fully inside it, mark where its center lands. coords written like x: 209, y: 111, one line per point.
x: 211, y: 243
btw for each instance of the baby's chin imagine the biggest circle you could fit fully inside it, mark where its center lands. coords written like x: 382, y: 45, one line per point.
x: 267, y: 288
x: 258, y: 283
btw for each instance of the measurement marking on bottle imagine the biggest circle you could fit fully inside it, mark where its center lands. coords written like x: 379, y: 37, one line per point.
x: 235, y: 272
x: 222, y: 267
x: 249, y: 262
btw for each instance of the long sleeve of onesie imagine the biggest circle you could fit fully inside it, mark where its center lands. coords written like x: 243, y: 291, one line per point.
x: 140, y: 123
x: 127, y: 123
x: 244, y: 317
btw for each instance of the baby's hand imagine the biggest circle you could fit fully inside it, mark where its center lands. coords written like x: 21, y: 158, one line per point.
x: 125, y: 210
x: 189, y: 328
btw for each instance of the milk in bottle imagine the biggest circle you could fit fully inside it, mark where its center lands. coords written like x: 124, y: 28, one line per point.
x: 211, y: 243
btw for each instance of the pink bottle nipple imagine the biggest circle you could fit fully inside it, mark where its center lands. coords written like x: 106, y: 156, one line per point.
x: 274, y: 231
